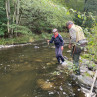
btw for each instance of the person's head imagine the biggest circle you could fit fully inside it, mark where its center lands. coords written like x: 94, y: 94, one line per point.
x: 55, y: 31
x: 69, y: 24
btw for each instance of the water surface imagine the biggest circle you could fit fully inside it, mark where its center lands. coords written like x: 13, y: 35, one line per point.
x: 26, y: 71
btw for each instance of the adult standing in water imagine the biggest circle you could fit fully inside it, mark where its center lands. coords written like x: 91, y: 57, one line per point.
x: 58, y: 41
x: 77, y: 43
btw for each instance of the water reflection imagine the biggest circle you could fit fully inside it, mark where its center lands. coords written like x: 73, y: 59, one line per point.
x: 27, y: 72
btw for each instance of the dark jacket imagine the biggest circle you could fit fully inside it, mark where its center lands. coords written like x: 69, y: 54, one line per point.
x: 58, y: 41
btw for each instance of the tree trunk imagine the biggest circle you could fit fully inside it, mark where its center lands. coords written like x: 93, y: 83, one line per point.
x: 14, y: 16
x: 7, y: 13
x: 17, y: 13
x: 7, y: 4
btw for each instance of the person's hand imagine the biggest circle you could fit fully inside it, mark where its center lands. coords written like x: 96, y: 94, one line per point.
x: 69, y: 46
x: 48, y: 41
x: 62, y: 48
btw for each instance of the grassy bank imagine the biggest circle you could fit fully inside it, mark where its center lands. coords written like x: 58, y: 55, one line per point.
x: 28, y: 38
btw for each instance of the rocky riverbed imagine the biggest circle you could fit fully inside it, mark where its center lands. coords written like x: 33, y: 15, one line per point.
x: 87, y: 74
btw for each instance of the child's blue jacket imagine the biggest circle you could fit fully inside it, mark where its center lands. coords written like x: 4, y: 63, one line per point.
x: 58, y: 41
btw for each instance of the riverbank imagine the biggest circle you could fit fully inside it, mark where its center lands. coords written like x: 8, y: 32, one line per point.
x: 86, y: 78
x: 28, y: 38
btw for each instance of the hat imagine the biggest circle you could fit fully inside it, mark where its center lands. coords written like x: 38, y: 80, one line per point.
x: 54, y: 30
x: 68, y: 23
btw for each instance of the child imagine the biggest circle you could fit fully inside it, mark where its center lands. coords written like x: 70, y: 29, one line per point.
x: 58, y: 41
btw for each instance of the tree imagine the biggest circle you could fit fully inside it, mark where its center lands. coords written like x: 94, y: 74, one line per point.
x: 44, y: 16
x: 7, y: 3
x: 74, y: 4
x: 12, y: 13
x: 90, y: 6
x: 3, y: 18
x: 22, y: 14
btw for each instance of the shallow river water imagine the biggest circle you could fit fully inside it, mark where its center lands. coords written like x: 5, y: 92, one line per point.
x: 26, y: 71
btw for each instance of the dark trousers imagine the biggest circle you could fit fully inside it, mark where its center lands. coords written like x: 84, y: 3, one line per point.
x: 75, y: 55
x: 76, y: 63
x: 59, y: 55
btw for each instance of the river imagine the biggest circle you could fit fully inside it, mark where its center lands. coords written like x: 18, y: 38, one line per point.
x: 26, y: 71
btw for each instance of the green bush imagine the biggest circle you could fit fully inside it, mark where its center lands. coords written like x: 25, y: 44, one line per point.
x: 43, y: 15
x: 3, y: 18
x: 75, y: 4
x: 92, y: 44
x: 1, y: 31
x: 20, y: 29
x: 86, y: 20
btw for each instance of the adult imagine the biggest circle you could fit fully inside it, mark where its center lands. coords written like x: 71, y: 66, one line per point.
x: 77, y: 43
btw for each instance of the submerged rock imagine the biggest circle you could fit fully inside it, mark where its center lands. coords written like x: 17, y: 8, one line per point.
x: 45, y: 85
x: 54, y: 59
x: 68, y: 51
x: 36, y: 47
x: 49, y: 63
x: 53, y: 47
x: 38, y: 60
x: 55, y: 73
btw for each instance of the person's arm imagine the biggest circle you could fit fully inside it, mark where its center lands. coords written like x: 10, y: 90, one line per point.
x: 62, y: 44
x: 61, y: 39
x: 51, y: 41
x: 72, y: 38
x: 70, y: 44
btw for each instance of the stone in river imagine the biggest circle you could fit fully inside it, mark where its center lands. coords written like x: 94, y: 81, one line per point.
x: 36, y: 47
x: 45, y: 85
x: 68, y: 51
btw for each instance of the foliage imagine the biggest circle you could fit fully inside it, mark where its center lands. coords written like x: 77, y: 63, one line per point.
x: 86, y: 20
x: 92, y: 48
x: 25, y: 38
x: 92, y: 44
x: 74, y: 4
x: 89, y: 23
x: 20, y: 29
x: 45, y: 16
x: 90, y: 6
x: 17, y: 40
x: 3, y: 18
